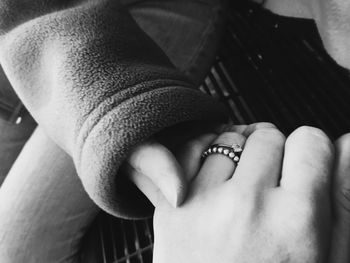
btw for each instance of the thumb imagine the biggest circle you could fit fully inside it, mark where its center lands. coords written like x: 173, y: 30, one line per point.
x: 340, y: 247
x: 156, y: 172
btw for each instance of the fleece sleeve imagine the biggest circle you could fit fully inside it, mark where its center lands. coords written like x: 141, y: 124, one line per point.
x: 98, y: 86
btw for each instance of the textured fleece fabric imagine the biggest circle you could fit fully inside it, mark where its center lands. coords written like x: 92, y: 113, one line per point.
x: 332, y: 18
x: 97, y: 84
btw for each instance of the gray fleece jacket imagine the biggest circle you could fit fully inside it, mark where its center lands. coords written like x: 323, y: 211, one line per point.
x: 98, y: 86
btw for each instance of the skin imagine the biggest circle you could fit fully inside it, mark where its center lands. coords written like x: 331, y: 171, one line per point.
x: 160, y: 166
x: 252, y: 210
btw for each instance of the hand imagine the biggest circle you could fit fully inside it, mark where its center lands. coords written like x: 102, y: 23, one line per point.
x: 273, y: 209
x: 164, y: 165
x: 340, y: 248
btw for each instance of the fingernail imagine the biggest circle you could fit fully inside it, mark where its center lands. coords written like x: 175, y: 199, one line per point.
x: 180, y: 196
x: 174, y: 193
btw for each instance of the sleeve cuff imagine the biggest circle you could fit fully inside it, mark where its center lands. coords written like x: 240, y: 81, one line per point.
x: 104, y: 141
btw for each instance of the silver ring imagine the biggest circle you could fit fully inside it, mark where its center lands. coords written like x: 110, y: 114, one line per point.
x: 231, y: 151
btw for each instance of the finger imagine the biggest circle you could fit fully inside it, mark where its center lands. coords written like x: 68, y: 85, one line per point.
x: 237, y: 128
x: 145, y: 185
x: 218, y: 168
x: 247, y: 130
x: 176, y: 136
x: 261, y: 159
x: 212, y: 175
x: 189, y: 157
x: 157, y: 163
x: 340, y: 245
x: 307, y: 163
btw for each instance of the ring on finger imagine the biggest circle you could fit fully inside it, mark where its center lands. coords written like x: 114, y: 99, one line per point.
x: 233, y: 152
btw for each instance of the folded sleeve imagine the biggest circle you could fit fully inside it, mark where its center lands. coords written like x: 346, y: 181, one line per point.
x: 98, y: 86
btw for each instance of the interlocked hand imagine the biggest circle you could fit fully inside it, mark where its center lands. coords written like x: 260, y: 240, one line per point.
x: 273, y: 207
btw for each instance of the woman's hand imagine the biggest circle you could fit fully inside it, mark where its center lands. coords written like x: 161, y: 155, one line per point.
x: 273, y: 207
x: 163, y: 166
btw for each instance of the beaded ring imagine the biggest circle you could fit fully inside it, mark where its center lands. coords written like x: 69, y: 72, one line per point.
x: 231, y: 151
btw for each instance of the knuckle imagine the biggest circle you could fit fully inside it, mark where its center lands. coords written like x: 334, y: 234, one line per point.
x: 306, y: 212
x: 272, y: 135
x: 312, y: 135
x: 343, y: 141
x: 264, y: 125
x: 308, y: 131
x: 247, y: 200
x: 307, y: 209
x: 195, y: 145
x: 232, y: 128
x: 257, y: 126
x: 246, y: 196
x: 228, y: 137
